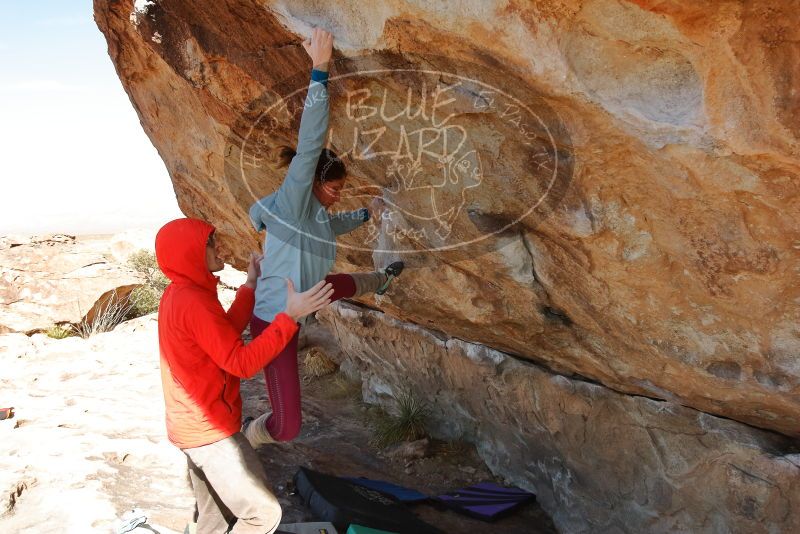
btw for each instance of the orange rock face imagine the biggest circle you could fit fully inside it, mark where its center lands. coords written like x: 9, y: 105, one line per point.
x: 608, y: 188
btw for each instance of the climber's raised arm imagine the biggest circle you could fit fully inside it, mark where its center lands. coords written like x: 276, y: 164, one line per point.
x: 295, y: 193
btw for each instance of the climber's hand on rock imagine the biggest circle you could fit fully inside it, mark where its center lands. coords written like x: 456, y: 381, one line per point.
x: 375, y: 208
x: 319, y: 48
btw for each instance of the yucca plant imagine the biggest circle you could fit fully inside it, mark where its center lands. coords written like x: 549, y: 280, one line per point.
x: 408, y: 424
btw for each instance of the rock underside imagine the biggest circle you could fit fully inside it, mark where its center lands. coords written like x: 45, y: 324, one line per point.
x: 598, y: 460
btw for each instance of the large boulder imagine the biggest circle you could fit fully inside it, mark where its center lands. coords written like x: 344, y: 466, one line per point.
x: 608, y: 188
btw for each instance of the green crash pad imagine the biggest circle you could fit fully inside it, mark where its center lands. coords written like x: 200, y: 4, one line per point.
x: 358, y: 529
x: 306, y: 528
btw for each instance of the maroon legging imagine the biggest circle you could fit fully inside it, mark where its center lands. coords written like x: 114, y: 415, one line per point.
x: 283, y: 379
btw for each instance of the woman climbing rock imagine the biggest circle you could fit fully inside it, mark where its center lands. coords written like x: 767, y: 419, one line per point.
x: 301, y: 240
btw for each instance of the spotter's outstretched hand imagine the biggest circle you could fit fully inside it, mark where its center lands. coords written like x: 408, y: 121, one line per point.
x: 298, y: 305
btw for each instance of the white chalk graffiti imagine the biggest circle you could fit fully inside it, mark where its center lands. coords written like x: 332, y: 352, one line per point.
x: 423, y: 141
x: 411, y: 150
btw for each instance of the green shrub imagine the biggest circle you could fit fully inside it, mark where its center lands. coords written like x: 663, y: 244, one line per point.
x: 145, y: 298
x: 144, y: 262
x: 58, y: 331
x: 143, y: 301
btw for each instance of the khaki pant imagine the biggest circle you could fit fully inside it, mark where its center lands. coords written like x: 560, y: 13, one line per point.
x: 230, y: 489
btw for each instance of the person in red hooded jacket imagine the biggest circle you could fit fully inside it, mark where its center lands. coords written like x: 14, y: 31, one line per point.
x: 202, y: 361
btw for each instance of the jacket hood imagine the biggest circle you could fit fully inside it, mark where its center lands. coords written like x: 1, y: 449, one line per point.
x: 181, y: 252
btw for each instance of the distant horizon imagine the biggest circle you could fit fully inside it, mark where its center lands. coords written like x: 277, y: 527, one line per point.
x: 75, y: 158
x: 83, y: 235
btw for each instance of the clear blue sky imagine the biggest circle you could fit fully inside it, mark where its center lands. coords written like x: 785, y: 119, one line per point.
x: 74, y: 156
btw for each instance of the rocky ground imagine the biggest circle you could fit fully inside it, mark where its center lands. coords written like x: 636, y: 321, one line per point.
x: 335, y: 439
x: 88, y: 443
x: 53, y: 279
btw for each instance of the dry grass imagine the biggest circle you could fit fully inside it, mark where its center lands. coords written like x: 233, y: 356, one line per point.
x: 316, y: 364
x: 111, y: 313
x: 453, y: 452
x: 339, y: 387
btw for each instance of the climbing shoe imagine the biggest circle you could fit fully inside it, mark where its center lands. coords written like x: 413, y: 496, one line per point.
x: 391, y: 272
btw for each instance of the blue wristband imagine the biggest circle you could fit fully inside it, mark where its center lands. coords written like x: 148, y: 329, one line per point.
x: 320, y: 76
x: 365, y: 214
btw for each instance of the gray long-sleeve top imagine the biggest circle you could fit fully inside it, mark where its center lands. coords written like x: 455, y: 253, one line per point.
x: 301, y: 235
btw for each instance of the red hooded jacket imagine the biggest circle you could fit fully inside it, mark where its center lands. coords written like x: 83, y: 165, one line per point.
x: 202, y: 354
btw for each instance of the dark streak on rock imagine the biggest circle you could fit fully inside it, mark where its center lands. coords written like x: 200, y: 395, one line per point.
x: 555, y: 314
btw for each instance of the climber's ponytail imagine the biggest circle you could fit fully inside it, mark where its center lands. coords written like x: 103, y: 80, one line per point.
x: 329, y: 166
x: 281, y: 156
